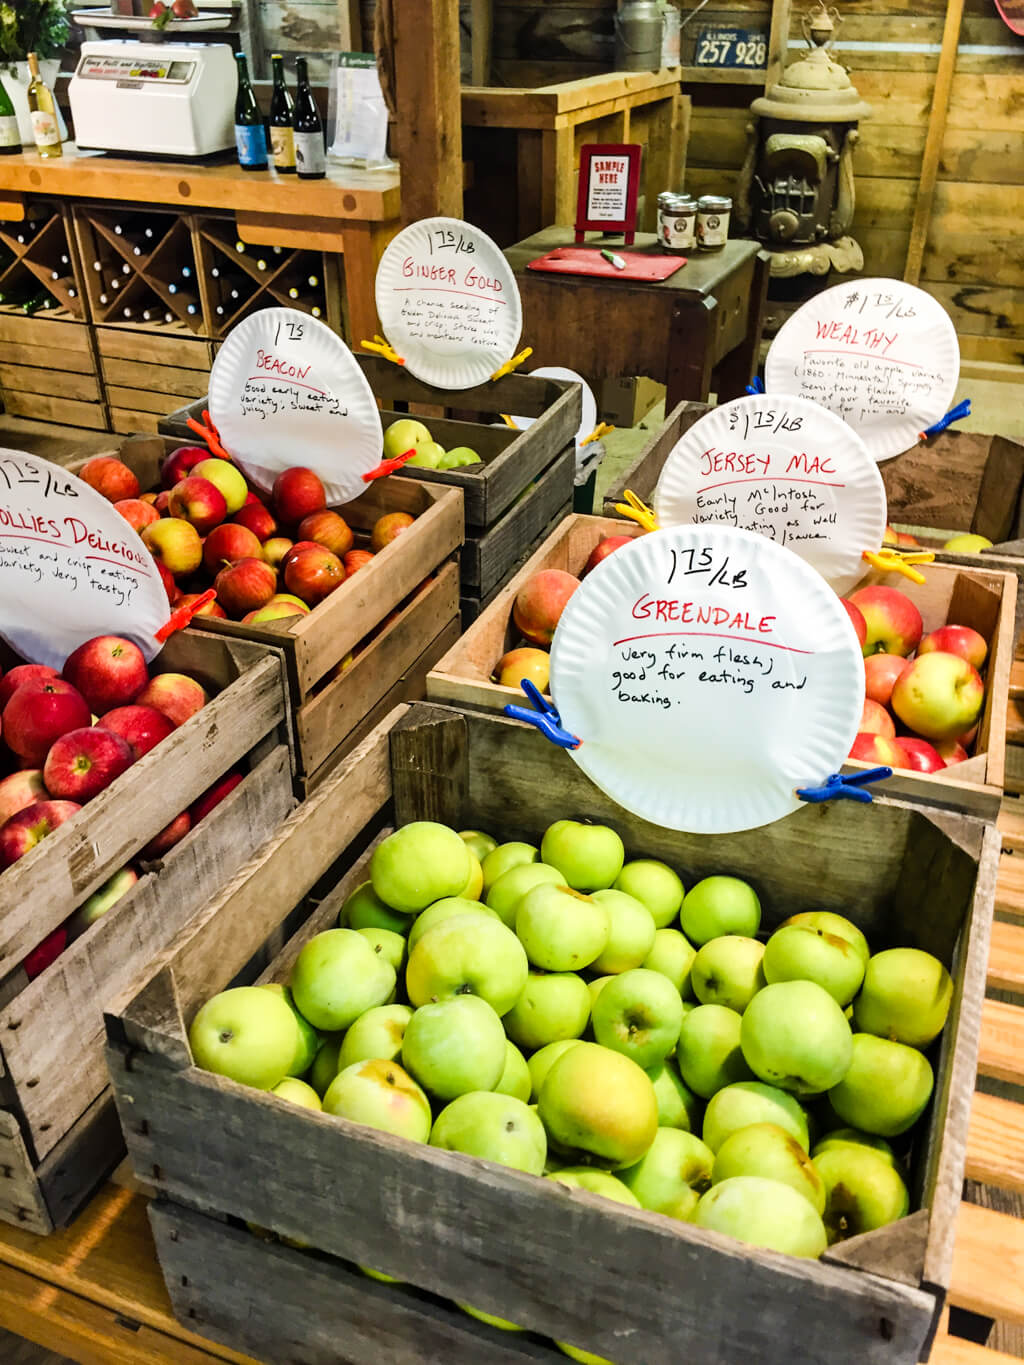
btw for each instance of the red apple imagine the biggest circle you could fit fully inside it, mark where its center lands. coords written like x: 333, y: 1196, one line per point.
x: 275, y: 549
x: 163, y: 502
x: 297, y: 493
x: 329, y: 530
x: 298, y: 545
x: 108, y: 671
x: 213, y: 796
x: 244, y: 586
x: 43, y: 954
x: 893, y: 621
x: 227, y: 544
x: 210, y: 608
x: 23, y: 673
x: 257, y: 519
x: 517, y: 664
x: 84, y: 762
x: 137, y: 513
x: 880, y: 674
x: 276, y: 610
x: 889, y: 536
x: 169, y: 836
x: 924, y: 757
x: 252, y: 497
x: 905, y: 539
x: 19, y: 790
x: 386, y: 528
x: 167, y: 579
x: 176, y: 695
x: 313, y: 574
x: 39, y: 713
x: 857, y: 617
x: 880, y: 749
x: 540, y: 602
x: 939, y: 696
x: 175, y: 544
x: 20, y: 834
x: 960, y: 640
x: 178, y: 464
x: 355, y: 560
x: 602, y: 550
x: 199, y: 502
x: 876, y: 720
x: 111, y: 477
x: 968, y: 738
x: 142, y: 727
x: 951, y: 751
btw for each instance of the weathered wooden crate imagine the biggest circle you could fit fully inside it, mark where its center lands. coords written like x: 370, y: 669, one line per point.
x: 144, y: 369
x: 58, y: 1136
x: 47, y: 369
x: 648, y: 1290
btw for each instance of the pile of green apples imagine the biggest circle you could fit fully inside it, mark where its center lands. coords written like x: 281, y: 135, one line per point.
x: 580, y: 1017
x: 406, y: 434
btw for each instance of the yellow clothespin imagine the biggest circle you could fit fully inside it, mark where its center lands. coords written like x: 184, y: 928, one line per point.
x: 383, y: 348
x: 512, y: 364
x: 602, y: 429
x: 637, y: 510
x: 508, y: 421
x: 891, y: 561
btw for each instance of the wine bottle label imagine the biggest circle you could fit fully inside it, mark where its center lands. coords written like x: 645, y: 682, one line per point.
x: 44, y: 129
x: 310, y: 158
x: 251, y: 144
x: 9, y: 135
x: 282, y: 145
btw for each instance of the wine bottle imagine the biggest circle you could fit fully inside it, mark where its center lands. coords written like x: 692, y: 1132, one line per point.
x: 97, y: 266
x: 282, y: 113
x: 148, y: 314
x: 310, y: 158
x: 316, y: 311
x: 313, y: 281
x: 168, y: 317
x: 127, y: 314
x: 261, y: 264
x: 10, y: 137
x: 38, y: 303
x: 250, y: 136
x: 65, y: 259
x: 43, y: 112
x: 104, y: 299
x: 115, y: 283
x: 241, y: 248
x: 186, y: 272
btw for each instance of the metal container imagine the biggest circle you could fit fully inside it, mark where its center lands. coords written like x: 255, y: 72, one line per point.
x: 713, y: 212
x: 639, y: 26
x: 677, y: 222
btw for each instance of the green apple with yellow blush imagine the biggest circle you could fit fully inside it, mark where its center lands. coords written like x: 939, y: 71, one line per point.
x: 377, y: 1033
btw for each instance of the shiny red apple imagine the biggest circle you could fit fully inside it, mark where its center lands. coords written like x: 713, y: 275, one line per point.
x: 857, y: 617
x: 39, y: 713
x: 180, y: 462
x: 245, y: 585
x: 84, y: 762
x: 175, y: 694
x: 199, y: 502
x: 313, y: 574
x: 27, y: 827
x: 297, y: 493
x: 603, y: 549
x: 329, y: 530
x: 108, y: 670
x: 23, y: 673
x: 924, y: 757
x: 257, y: 519
x: 881, y: 672
x: 111, y: 477
x: 962, y: 640
x: 142, y: 727
x: 227, y: 544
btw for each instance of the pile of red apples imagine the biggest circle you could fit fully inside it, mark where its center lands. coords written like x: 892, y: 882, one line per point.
x: 923, y: 693
x: 264, y: 558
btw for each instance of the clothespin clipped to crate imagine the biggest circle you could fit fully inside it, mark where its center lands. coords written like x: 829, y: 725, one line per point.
x: 207, y: 432
x: 181, y: 616
x: 512, y: 364
x: 837, y: 787
x: 892, y: 561
x: 389, y: 466
x: 598, y: 434
x: 383, y: 348
x: 635, y: 509
x: 543, y: 715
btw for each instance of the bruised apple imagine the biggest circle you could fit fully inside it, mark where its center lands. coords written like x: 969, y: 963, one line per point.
x: 894, y: 623
x: 540, y: 602
x: 517, y: 664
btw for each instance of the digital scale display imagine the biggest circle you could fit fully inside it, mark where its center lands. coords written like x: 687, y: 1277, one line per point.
x: 131, y: 69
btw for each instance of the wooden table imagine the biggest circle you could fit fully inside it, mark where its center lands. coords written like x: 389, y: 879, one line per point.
x: 696, y: 332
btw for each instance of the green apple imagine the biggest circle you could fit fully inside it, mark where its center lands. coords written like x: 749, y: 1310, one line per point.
x: 337, y: 977
x: 631, y: 932
x: 828, y: 922
x: 863, y: 1191
x: 595, y: 988
x: 678, y: 1106
x: 906, y: 997
x: 460, y: 456
x: 325, y: 1065
x: 387, y: 945
x: 796, y: 1036
x: 493, y: 1127
x: 853, y: 1137
x: 101, y: 901
x: 479, y: 843
x: 767, y: 1150
x: 489, y: 1318
x: 419, y: 864
x: 886, y: 1087
x: 799, y: 953
x: 474, y: 887
x: 601, y: 1103
x: 727, y: 971
x: 561, y: 929
x: 502, y: 858
x: 247, y: 1034
x: 738, y: 1106
x: 653, y: 884
x: 595, y: 1181
x: 639, y: 1014
x: 468, y: 955
x: 673, y: 957
x: 968, y: 544
x: 709, y: 1053
x: 763, y: 1213
x: 515, y: 1079
x: 309, y: 1039
x: 509, y: 889
x: 717, y: 906
x: 376, y: 1034
x: 448, y: 908
x: 364, y: 909
x: 455, y: 1046
x: 381, y: 1095
x: 403, y: 435
x: 429, y: 455
x: 297, y: 1092
x: 673, y: 1174
x: 589, y: 856
x: 552, y: 1006
x: 543, y: 1060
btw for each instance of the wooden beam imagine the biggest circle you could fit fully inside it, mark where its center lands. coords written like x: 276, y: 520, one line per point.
x: 933, y: 141
x: 778, y: 42
x: 425, y: 52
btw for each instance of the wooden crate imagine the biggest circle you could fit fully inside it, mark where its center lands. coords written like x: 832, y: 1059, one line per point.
x: 58, y: 1136
x: 48, y: 370
x: 649, y: 1290
x: 642, y: 476
x: 472, y: 604
x: 142, y: 370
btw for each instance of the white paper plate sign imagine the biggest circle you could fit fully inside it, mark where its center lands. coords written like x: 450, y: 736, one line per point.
x: 588, y: 421
x: 785, y: 468
x: 448, y: 302
x: 709, y: 673
x: 70, y: 566
x: 285, y: 390
x: 881, y: 354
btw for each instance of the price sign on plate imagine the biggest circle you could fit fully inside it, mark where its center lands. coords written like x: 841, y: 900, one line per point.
x: 708, y: 673
x: 731, y: 47
x: 70, y: 566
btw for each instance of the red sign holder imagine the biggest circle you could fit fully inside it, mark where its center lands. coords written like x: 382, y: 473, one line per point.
x: 608, y: 189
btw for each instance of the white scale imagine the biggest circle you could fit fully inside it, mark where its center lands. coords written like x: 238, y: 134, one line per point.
x: 166, y: 99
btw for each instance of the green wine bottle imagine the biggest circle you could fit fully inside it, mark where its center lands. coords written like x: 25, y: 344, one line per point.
x: 10, y: 137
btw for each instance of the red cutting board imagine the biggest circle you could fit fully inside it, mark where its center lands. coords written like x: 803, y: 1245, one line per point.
x: 587, y: 260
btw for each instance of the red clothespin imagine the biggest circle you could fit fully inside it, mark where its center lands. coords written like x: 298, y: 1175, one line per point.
x: 209, y: 434
x: 181, y: 616
x: 389, y: 466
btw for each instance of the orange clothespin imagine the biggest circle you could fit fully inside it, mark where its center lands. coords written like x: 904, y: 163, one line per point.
x: 209, y: 434
x: 602, y: 429
x: 383, y: 348
x: 389, y: 466
x: 637, y: 510
x: 512, y: 364
x: 508, y: 421
x: 891, y: 561
x: 181, y: 616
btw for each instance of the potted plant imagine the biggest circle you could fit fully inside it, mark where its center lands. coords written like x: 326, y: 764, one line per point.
x: 39, y: 26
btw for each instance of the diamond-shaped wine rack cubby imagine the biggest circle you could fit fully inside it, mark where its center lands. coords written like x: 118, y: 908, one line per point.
x: 139, y: 268
x: 38, y: 265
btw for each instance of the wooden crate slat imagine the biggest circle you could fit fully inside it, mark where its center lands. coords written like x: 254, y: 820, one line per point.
x: 958, y: 1351
x: 1001, y: 1054
x: 1006, y: 963
x: 65, y: 411
x: 995, y: 1142
x: 1011, y: 824
x: 46, y: 357
x: 67, y: 384
x: 172, y: 380
x: 127, y: 423
x: 154, y: 348
x: 988, y: 1264
x: 42, y: 330
x: 1010, y: 884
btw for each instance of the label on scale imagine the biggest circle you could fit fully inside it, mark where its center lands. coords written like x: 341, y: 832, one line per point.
x: 881, y: 354
x: 448, y: 302
x: 71, y: 567
x: 285, y: 390
x: 785, y: 468
x: 708, y: 673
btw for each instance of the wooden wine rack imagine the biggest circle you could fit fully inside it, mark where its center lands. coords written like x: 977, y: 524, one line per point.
x: 43, y: 254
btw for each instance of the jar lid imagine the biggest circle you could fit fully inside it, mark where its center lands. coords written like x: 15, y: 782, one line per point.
x: 677, y: 202
x: 714, y: 203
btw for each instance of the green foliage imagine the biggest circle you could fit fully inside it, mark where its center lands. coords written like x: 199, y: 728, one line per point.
x: 32, y: 26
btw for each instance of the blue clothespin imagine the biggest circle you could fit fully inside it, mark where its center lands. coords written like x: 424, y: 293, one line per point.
x: 544, y: 715
x: 756, y: 385
x: 953, y: 415
x: 838, y: 786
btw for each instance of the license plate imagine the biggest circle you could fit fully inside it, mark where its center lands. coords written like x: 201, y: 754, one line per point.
x: 731, y: 47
